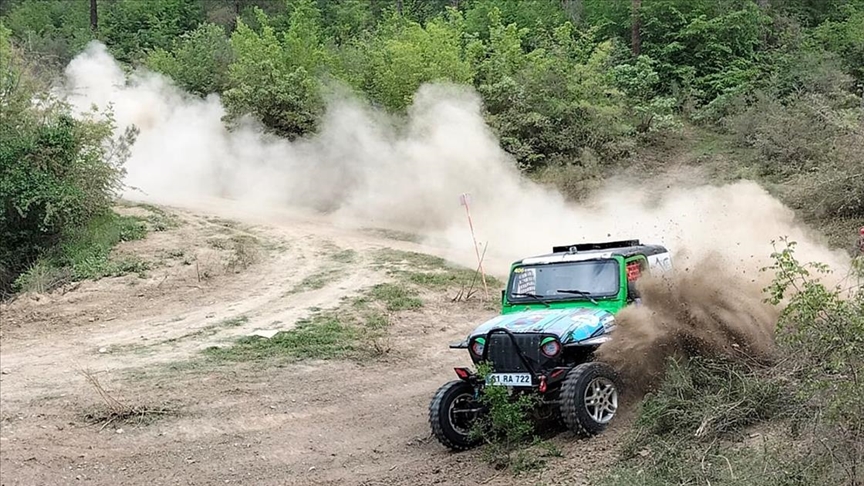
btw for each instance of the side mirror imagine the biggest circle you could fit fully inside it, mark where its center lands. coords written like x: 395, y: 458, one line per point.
x: 503, y: 293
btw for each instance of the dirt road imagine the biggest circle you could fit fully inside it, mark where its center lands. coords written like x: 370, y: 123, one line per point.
x: 257, y: 422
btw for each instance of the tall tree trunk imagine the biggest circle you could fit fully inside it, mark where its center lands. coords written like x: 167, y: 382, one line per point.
x: 636, y: 23
x: 238, y: 8
x: 94, y: 17
x: 763, y: 3
x: 573, y: 9
x: 399, y: 6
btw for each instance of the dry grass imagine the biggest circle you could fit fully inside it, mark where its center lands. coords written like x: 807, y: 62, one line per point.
x: 245, y: 251
x: 114, y: 411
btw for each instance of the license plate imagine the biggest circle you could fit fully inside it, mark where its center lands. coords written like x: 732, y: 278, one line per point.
x: 509, y: 379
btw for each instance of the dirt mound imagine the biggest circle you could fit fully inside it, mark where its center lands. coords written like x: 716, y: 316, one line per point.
x: 705, y: 309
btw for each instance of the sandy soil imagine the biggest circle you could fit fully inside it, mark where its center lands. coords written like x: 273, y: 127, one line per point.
x: 328, y: 422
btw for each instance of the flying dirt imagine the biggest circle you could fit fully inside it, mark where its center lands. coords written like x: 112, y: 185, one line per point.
x: 364, y: 167
x: 703, y: 310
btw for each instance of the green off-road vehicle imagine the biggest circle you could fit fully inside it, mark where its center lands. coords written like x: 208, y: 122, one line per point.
x: 556, y: 311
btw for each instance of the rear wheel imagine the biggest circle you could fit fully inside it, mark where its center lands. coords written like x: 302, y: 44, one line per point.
x: 589, y: 398
x: 452, y: 414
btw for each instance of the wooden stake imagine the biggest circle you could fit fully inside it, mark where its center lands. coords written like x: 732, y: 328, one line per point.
x: 464, y: 200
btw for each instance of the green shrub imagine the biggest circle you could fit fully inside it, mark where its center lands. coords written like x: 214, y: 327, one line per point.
x: 85, y: 253
x: 405, y: 55
x: 57, y: 173
x: 273, y: 79
x: 846, y: 38
x: 698, y: 427
x: 822, y: 331
x: 508, y: 429
x: 131, y: 28
x: 198, y: 62
x: 52, y: 30
x: 556, y: 101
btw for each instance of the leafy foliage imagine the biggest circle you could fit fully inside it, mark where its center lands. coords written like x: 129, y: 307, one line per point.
x: 131, y: 28
x: 272, y: 76
x: 57, y: 172
x: 846, y: 38
x: 405, y: 55
x: 557, y: 78
x: 85, y: 253
x: 553, y: 103
x: 56, y: 29
x: 806, y: 406
x: 823, y: 328
x: 507, y: 428
x: 198, y: 62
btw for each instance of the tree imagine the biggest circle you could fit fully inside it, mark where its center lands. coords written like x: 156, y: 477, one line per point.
x: 131, y: 28
x: 552, y: 104
x: 198, y: 61
x: 636, y: 36
x: 274, y: 80
x: 56, y: 172
x: 405, y: 55
x: 52, y: 31
x: 94, y: 17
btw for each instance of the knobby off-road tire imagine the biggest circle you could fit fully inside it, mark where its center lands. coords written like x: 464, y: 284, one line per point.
x: 589, y: 398
x: 450, y: 431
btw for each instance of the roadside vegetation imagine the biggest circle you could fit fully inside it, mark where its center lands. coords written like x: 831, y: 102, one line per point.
x: 85, y: 253
x: 724, y: 420
x: 509, y: 432
x: 58, y: 177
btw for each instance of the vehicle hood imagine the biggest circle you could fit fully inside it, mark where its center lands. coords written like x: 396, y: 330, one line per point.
x: 570, y: 325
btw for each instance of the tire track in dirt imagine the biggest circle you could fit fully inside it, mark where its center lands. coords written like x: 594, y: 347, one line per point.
x: 336, y: 422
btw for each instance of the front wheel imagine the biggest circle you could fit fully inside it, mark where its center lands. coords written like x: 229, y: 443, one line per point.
x: 589, y: 398
x: 452, y: 414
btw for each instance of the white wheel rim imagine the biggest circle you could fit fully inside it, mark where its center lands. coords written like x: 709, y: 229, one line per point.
x: 601, y: 400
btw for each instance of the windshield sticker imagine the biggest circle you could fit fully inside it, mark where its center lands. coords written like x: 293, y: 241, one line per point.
x: 526, y: 282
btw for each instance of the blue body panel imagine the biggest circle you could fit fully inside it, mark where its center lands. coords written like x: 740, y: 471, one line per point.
x: 571, y: 325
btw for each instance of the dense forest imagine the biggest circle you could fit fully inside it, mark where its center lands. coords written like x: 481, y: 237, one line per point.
x: 574, y: 89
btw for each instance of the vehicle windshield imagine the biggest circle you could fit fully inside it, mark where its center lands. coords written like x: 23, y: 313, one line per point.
x: 565, y: 281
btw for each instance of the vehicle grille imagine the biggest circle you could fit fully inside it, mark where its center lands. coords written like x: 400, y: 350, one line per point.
x: 505, y: 357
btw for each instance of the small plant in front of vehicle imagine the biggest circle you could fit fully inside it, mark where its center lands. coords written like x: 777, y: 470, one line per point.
x: 507, y: 430
x: 506, y: 421
x: 556, y: 311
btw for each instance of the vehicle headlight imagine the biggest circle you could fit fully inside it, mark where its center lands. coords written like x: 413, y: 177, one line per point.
x: 550, y: 347
x: 477, y: 346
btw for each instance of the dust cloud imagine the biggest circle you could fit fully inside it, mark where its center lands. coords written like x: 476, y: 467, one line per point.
x: 700, y: 310
x: 367, y: 168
